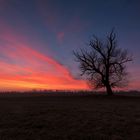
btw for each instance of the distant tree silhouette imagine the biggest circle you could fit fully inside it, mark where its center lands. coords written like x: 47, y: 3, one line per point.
x: 104, y: 63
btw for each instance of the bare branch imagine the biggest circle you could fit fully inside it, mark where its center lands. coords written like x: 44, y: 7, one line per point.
x: 104, y: 65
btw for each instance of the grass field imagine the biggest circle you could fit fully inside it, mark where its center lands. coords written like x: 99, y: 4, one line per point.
x: 69, y: 117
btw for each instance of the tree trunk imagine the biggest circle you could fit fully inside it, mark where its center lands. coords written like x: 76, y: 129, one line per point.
x: 109, y: 90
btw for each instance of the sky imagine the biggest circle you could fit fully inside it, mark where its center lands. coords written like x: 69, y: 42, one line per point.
x: 37, y: 38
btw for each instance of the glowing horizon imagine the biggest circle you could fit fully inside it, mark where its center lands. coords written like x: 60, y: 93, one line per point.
x: 33, y: 70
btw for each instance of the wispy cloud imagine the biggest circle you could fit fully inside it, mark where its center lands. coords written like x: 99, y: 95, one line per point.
x: 60, y: 37
x: 22, y: 67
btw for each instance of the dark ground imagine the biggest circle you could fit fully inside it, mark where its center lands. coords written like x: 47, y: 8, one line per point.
x: 69, y: 118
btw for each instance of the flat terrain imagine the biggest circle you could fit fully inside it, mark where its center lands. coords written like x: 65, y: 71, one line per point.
x: 69, y: 118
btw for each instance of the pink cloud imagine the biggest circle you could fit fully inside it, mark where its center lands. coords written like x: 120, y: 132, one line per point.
x: 60, y: 37
x: 23, y: 68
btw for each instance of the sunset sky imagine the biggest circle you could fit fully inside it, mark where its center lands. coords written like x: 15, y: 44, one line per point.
x: 37, y: 38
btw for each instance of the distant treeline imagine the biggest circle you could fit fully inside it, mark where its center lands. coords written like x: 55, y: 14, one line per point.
x: 65, y: 93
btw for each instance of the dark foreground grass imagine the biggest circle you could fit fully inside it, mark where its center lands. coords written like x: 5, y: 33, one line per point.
x: 69, y: 118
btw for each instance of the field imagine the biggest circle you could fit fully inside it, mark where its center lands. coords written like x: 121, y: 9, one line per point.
x: 69, y: 117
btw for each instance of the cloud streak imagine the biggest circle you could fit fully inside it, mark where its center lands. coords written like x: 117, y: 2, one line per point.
x: 23, y: 68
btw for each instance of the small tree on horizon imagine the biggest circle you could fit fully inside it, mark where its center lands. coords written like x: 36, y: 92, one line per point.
x: 104, y: 63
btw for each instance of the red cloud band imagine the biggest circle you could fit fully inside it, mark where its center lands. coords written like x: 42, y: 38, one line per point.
x: 22, y: 67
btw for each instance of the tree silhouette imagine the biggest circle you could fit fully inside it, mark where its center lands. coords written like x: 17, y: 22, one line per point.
x: 104, y: 63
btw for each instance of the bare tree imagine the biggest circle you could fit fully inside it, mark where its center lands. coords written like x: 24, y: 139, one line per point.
x: 104, y: 64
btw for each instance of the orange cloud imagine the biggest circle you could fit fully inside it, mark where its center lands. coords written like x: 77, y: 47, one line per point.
x: 23, y: 68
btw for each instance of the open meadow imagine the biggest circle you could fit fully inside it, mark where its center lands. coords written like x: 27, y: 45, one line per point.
x: 43, y: 117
